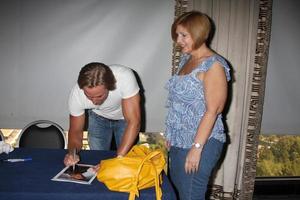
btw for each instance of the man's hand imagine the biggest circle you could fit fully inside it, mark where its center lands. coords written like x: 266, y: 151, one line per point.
x: 70, y: 159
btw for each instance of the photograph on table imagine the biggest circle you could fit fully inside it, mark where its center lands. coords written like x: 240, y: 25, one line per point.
x: 81, y: 173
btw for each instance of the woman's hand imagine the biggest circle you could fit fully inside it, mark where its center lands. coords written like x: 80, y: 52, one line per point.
x: 192, y: 160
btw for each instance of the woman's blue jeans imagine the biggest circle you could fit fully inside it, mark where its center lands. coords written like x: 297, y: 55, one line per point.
x: 193, y: 186
x: 100, y: 131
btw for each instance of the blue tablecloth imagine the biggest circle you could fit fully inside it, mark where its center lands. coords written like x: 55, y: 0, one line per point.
x: 31, y: 180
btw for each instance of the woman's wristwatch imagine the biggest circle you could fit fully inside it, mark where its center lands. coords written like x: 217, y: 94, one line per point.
x: 197, y: 145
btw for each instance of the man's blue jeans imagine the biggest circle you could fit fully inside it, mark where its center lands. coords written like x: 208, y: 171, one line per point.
x: 193, y: 186
x: 100, y: 131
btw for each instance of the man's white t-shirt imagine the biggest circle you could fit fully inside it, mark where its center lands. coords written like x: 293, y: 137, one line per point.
x: 111, y: 108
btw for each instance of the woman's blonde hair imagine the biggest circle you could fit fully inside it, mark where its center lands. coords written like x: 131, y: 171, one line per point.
x: 196, y: 23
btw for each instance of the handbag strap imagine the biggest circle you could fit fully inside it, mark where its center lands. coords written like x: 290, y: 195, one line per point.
x: 157, y: 180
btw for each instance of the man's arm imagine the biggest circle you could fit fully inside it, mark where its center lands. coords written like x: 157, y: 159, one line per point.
x: 75, y: 135
x: 132, y: 114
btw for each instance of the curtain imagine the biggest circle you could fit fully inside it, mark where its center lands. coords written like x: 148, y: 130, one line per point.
x: 43, y: 45
x: 241, y: 35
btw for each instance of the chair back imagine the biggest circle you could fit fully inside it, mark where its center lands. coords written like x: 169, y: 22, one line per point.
x: 42, y: 134
x: 1, y: 136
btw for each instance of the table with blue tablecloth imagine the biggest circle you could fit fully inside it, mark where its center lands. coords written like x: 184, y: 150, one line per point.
x: 31, y: 180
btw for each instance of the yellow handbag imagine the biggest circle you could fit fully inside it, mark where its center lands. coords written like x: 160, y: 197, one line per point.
x: 140, y: 168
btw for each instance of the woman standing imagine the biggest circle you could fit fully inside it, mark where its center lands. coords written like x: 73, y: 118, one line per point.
x: 197, y: 95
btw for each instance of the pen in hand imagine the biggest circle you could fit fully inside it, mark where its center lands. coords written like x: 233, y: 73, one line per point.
x: 74, y: 157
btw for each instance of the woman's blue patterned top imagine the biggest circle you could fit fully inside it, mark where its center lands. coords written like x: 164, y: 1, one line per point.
x: 186, y: 104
